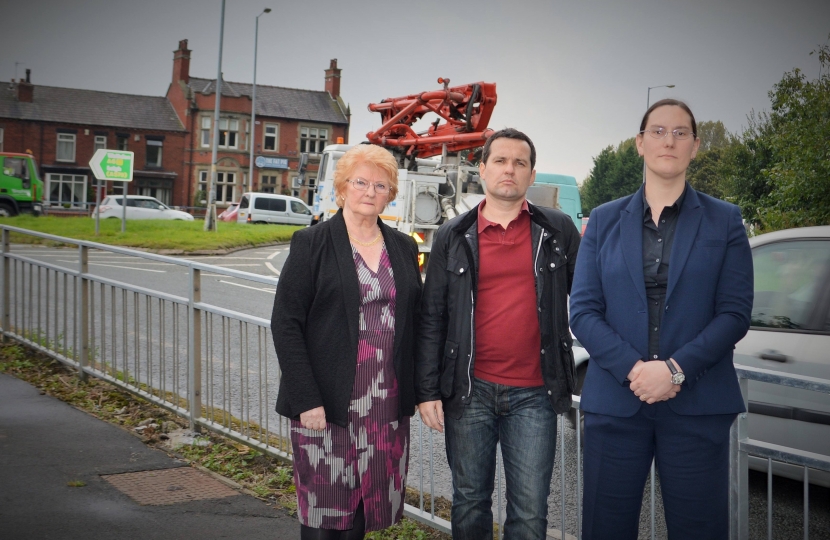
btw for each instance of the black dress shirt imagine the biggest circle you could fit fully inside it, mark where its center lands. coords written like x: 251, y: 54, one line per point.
x: 657, y: 243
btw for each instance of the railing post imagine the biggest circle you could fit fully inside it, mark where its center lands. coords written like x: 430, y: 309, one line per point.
x: 739, y: 473
x: 194, y: 350
x: 6, y: 311
x: 83, y: 316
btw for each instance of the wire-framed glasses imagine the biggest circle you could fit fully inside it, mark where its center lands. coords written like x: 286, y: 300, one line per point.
x: 681, y: 134
x: 362, y: 185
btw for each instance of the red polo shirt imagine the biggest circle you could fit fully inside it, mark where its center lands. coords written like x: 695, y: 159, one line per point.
x: 507, y: 338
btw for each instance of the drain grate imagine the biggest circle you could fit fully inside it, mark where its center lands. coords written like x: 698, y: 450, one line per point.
x: 169, y: 486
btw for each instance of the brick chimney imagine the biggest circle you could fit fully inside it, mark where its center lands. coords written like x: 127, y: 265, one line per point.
x: 181, y: 63
x: 25, y: 89
x: 333, y: 79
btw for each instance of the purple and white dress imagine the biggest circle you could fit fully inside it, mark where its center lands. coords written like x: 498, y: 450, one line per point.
x: 337, y: 467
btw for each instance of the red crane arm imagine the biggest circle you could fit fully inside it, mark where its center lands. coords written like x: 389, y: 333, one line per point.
x: 466, y: 111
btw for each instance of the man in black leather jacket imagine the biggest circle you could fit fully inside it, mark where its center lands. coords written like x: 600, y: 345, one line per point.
x: 494, y: 360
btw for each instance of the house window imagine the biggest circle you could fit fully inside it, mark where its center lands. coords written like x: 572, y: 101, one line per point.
x: 270, y: 140
x: 66, y: 189
x: 205, y: 131
x: 158, y: 188
x: 100, y: 143
x: 1, y: 139
x: 225, y: 184
x: 228, y: 132
x: 66, y: 147
x: 121, y: 141
x: 313, y: 140
x: 154, y: 153
x: 268, y: 184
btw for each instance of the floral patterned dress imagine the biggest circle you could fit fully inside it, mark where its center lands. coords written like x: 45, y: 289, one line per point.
x: 336, y: 468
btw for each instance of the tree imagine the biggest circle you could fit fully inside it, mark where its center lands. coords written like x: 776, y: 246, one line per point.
x: 712, y: 134
x: 779, y: 172
x: 617, y: 172
x: 704, y: 173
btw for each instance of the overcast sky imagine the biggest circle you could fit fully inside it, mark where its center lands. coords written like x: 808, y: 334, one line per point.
x: 572, y: 75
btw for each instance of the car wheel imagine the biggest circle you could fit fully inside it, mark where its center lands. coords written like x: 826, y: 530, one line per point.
x: 573, y: 413
x: 7, y: 210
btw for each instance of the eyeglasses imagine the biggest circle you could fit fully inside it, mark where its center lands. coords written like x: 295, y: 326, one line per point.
x: 362, y: 185
x: 680, y: 134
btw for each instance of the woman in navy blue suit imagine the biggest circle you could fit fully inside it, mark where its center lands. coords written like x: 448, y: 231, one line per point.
x: 662, y: 292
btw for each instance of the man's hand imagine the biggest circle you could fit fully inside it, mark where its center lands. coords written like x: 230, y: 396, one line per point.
x: 314, y: 419
x: 651, y: 382
x: 432, y: 414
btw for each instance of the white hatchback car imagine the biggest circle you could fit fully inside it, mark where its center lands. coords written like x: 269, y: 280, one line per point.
x: 139, y: 207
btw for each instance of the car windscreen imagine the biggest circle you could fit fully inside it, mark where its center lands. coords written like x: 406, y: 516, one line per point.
x: 299, y: 208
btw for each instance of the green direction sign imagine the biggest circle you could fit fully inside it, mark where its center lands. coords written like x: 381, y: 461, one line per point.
x: 114, y: 165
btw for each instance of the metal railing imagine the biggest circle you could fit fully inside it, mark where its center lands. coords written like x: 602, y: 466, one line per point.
x: 217, y: 368
x: 741, y: 447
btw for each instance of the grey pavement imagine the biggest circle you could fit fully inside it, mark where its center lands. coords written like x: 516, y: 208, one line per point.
x: 46, y: 444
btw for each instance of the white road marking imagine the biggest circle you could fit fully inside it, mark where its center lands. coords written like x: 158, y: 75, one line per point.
x: 222, y: 265
x: 269, y: 290
x: 125, y: 267
x: 271, y: 267
x: 274, y: 254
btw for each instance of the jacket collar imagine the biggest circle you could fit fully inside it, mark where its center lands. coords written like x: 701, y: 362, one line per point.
x: 348, y: 275
x: 631, y: 238
x: 467, y: 219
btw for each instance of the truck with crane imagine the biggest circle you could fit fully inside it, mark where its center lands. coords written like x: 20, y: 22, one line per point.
x: 438, y: 177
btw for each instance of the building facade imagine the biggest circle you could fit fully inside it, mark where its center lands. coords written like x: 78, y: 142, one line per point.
x: 63, y: 127
x: 289, y: 122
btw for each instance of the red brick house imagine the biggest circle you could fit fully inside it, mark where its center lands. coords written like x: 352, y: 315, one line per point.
x: 63, y: 127
x: 289, y: 121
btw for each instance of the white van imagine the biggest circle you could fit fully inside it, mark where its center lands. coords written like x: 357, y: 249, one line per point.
x: 272, y: 208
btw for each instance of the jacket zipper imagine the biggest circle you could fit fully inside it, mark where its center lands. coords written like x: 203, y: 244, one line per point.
x: 472, y: 334
x: 538, y: 250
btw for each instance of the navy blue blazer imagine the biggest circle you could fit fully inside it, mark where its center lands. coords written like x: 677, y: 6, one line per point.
x: 707, y: 311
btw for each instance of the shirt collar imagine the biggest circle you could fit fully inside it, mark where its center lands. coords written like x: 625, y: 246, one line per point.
x: 483, y: 222
x: 678, y: 204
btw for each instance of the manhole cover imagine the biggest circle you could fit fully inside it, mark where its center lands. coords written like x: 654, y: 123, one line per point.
x: 169, y: 486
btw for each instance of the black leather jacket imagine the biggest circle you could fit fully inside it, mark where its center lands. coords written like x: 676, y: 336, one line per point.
x: 445, y: 353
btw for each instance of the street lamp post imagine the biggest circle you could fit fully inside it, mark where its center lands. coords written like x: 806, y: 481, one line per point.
x: 210, y: 216
x: 252, y: 140
x: 648, y: 104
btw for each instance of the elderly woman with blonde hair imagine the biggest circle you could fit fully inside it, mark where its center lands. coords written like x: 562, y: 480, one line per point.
x: 343, y: 325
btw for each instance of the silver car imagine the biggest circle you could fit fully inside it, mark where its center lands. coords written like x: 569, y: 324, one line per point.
x: 139, y: 207
x: 790, y: 332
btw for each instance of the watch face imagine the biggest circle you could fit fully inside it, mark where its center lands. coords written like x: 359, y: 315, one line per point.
x: 678, y: 378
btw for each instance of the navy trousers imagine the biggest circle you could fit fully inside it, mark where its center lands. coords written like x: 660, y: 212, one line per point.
x: 692, y: 459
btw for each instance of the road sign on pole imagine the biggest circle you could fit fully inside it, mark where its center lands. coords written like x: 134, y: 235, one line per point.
x: 115, y: 165
x: 112, y: 165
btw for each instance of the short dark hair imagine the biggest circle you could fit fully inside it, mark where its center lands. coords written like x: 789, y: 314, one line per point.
x: 669, y: 102
x: 509, y: 133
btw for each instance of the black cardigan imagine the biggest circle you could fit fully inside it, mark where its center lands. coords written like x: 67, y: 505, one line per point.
x: 315, y: 320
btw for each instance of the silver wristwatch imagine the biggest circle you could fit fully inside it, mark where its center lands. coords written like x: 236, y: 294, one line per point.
x: 677, y: 377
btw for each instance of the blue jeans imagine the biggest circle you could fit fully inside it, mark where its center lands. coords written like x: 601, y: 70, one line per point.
x: 524, y: 421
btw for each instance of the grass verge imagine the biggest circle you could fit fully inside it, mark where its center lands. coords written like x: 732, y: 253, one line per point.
x: 268, y: 478
x: 155, y: 235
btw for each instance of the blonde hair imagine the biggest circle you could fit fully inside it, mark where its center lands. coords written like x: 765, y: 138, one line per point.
x: 368, y: 154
